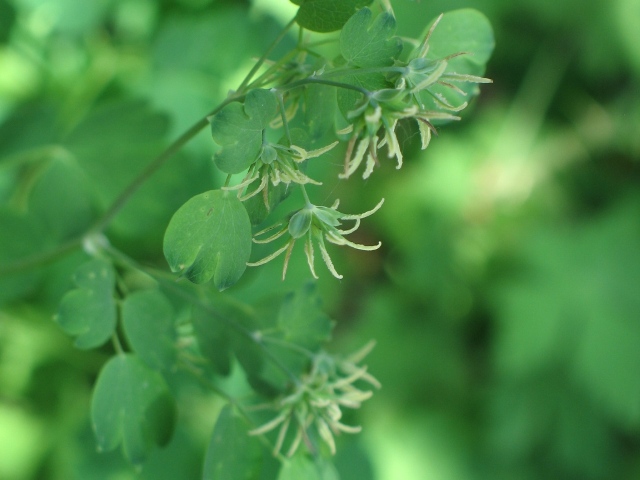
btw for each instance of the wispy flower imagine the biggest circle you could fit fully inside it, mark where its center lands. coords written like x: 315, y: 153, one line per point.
x: 277, y: 164
x: 316, y: 224
x: 364, y: 144
x: 317, y: 402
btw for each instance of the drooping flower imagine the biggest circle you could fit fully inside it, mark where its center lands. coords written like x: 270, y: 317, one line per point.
x: 277, y: 164
x: 316, y: 402
x: 384, y: 116
x: 316, y: 224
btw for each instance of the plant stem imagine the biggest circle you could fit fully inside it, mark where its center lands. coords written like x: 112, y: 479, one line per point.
x: 322, y: 81
x: 363, y: 71
x: 283, y: 114
x: 117, y: 205
x: 168, y: 281
x: 157, y: 162
x: 40, y: 259
x: 264, y: 56
x: 305, y: 195
x: 116, y: 344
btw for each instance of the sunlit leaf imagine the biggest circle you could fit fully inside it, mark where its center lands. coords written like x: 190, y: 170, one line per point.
x: 89, y: 312
x: 148, y: 322
x: 209, y: 237
x: 132, y: 407
x: 232, y: 454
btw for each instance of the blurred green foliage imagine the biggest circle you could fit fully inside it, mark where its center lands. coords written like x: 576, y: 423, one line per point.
x: 506, y: 298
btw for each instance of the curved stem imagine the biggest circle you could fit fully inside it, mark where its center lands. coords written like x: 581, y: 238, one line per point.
x: 322, y: 81
x: 155, y: 164
x: 363, y: 71
x: 116, y: 344
x: 45, y: 152
x: 283, y: 115
x: 266, y: 76
x: 305, y: 195
x: 227, y: 180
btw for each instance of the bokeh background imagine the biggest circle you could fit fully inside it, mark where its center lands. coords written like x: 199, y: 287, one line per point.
x: 506, y: 298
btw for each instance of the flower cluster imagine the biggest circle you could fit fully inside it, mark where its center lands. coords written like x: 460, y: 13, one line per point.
x: 315, y: 223
x: 382, y: 109
x: 316, y: 402
x: 277, y: 164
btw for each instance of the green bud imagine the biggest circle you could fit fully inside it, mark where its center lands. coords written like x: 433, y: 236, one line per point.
x: 268, y: 155
x: 300, y: 223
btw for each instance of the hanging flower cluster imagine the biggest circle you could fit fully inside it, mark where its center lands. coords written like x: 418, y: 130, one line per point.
x: 317, y: 401
x: 382, y: 109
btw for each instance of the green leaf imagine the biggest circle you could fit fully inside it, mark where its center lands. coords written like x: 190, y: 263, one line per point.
x: 302, y: 321
x: 232, y: 454
x: 148, y: 322
x: 367, y: 43
x: 89, y: 312
x: 238, y: 128
x: 212, y: 336
x: 319, y: 113
x: 303, y: 467
x: 464, y: 30
x: 131, y: 406
x: 209, y: 237
x: 326, y: 15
